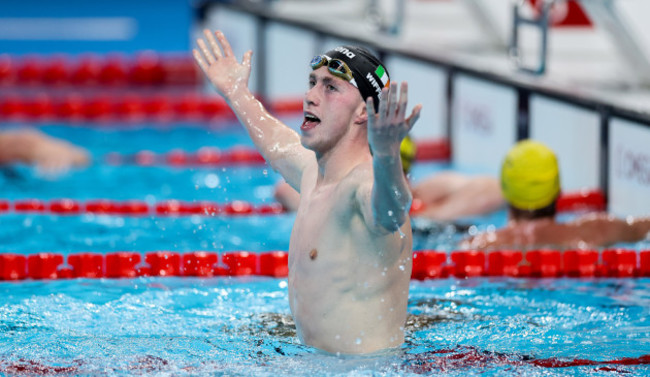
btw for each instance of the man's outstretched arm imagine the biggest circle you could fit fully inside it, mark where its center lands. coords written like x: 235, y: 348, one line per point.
x: 390, y: 196
x: 279, y: 144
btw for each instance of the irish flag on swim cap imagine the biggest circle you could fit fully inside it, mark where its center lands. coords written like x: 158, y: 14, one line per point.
x: 383, y: 76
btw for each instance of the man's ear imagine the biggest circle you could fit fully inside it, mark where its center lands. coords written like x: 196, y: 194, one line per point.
x: 361, y: 114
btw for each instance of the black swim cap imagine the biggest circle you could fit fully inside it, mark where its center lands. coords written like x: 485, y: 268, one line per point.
x: 369, y: 74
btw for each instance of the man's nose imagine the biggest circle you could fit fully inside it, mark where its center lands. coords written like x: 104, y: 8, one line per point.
x: 311, y: 97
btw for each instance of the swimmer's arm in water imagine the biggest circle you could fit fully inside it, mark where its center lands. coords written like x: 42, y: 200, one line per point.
x: 606, y: 229
x: 390, y: 193
x: 50, y: 155
x: 14, y: 147
x: 279, y: 144
x: 489, y: 240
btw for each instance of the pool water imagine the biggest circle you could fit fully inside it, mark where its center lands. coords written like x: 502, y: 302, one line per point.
x: 242, y: 326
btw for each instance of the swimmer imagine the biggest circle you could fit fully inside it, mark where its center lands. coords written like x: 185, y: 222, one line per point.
x: 444, y: 196
x: 351, y: 244
x: 49, y: 155
x: 530, y: 181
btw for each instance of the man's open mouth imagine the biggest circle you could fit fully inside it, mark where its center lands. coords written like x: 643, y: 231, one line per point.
x: 310, y: 121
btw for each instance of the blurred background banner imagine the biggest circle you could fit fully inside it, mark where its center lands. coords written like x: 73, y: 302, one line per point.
x: 76, y: 26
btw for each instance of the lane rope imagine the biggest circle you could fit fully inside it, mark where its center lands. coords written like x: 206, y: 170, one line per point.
x: 427, y: 264
x: 142, y: 69
x: 577, y: 201
x: 110, y: 107
x: 433, y: 150
x: 138, y: 207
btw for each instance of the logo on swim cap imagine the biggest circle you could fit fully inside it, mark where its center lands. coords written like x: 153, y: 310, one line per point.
x: 345, y: 52
x: 530, y: 177
x: 374, y: 84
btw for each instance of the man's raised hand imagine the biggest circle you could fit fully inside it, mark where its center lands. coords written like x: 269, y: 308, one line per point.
x: 219, y: 64
x: 388, y: 126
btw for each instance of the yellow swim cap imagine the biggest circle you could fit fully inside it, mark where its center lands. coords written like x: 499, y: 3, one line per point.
x: 530, y: 177
x: 407, y: 151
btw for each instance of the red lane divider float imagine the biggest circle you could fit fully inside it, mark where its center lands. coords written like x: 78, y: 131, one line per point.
x: 619, y: 263
x: 139, y: 208
x: 206, y: 156
x: 207, y: 208
x: 142, y: 69
x: 4, y: 206
x: 131, y: 264
x: 123, y: 107
x: 427, y: 264
x: 581, y: 200
x: 242, y: 155
x: 504, y: 263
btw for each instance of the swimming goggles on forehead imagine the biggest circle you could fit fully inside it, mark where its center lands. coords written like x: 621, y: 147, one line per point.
x: 336, y: 67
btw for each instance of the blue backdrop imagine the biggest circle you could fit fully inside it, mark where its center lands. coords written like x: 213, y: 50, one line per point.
x: 76, y: 26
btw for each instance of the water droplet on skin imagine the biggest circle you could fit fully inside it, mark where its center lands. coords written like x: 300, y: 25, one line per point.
x: 337, y: 337
x: 390, y: 213
x: 401, y: 267
x: 358, y: 341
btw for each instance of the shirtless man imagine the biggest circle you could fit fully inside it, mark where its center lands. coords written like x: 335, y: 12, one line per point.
x: 50, y: 156
x: 530, y: 183
x: 350, y: 248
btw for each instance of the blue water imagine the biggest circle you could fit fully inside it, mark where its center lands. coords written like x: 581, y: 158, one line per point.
x: 28, y: 234
x: 128, y: 181
x: 242, y: 326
